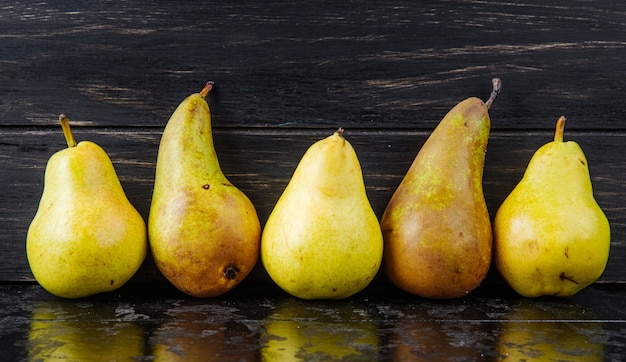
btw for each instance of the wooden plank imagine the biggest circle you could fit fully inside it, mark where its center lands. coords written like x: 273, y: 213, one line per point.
x: 375, y: 64
x: 260, y: 162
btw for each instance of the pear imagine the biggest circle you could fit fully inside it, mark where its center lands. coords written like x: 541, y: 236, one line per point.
x: 86, y: 237
x: 436, y: 226
x: 204, y: 232
x: 550, y: 235
x: 322, y: 240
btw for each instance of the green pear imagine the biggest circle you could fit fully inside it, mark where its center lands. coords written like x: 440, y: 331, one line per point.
x: 550, y: 235
x: 322, y: 239
x: 86, y: 237
x: 437, y: 228
x: 204, y: 232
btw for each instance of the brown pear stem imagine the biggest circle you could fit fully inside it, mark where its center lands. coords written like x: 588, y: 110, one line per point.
x: 67, y: 132
x: 497, y: 85
x: 560, y: 126
x: 207, y: 89
x: 340, y: 131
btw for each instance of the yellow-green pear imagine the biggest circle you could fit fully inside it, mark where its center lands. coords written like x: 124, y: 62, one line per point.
x: 203, y: 231
x: 322, y: 239
x: 86, y: 237
x: 550, y: 235
x: 437, y: 228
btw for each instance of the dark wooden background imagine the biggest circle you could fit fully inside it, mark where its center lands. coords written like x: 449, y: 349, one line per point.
x: 289, y: 73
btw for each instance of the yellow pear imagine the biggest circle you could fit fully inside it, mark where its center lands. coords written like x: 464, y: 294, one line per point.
x: 323, y: 240
x: 437, y: 228
x: 204, y: 232
x: 551, y: 237
x: 86, y: 237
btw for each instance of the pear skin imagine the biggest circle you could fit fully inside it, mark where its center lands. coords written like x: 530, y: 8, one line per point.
x: 322, y: 239
x: 436, y: 226
x: 86, y: 237
x: 203, y: 231
x: 550, y: 235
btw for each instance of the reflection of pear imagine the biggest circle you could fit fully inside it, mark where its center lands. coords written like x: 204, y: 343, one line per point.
x: 535, y: 333
x: 67, y: 331
x: 437, y: 229
x: 323, y: 240
x: 200, y: 332
x: 551, y: 237
x: 298, y: 330
x: 86, y: 237
x: 420, y: 334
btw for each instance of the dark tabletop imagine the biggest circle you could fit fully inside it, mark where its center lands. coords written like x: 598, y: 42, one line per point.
x: 287, y: 74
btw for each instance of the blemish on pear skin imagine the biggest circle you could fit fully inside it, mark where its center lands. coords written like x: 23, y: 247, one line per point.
x: 564, y: 277
x: 230, y: 272
x: 206, y: 186
x: 111, y: 281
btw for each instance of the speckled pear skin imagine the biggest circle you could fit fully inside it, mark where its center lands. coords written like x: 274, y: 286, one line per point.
x: 551, y: 236
x: 436, y: 226
x: 322, y: 239
x: 204, y: 232
x: 86, y: 237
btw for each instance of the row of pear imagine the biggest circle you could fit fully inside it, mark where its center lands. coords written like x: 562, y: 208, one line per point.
x: 322, y: 240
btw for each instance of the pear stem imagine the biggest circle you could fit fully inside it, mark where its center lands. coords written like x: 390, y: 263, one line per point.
x: 340, y: 131
x: 560, y: 126
x: 497, y: 85
x: 207, y: 89
x: 67, y: 132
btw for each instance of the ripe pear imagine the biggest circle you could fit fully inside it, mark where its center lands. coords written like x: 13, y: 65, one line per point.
x: 86, y: 237
x: 322, y: 240
x: 203, y: 231
x: 551, y: 237
x: 436, y: 227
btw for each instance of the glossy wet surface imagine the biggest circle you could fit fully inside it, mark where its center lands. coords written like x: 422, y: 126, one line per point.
x: 152, y: 321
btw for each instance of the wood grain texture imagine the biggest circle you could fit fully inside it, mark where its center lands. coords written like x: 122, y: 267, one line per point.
x: 366, y: 64
x: 289, y: 73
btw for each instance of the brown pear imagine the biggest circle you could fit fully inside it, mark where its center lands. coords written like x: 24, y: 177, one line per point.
x: 436, y: 227
x: 204, y: 232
